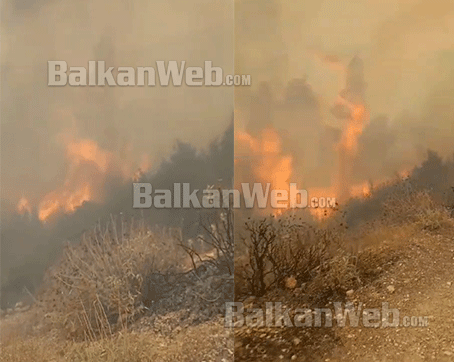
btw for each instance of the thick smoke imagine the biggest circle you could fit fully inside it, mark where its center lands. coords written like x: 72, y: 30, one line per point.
x: 303, y: 48
x: 28, y: 246
x: 126, y: 123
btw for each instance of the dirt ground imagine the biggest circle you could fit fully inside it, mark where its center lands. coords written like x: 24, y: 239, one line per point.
x: 420, y: 283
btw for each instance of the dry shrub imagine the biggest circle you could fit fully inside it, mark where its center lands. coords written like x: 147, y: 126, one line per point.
x: 287, y: 249
x: 215, y: 243
x: 335, y: 276
x: 300, y: 250
x: 97, y: 285
x: 318, y: 259
x: 261, y: 234
x: 408, y: 205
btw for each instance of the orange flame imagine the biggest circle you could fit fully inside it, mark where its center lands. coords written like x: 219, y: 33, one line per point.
x: 64, y: 200
x: 88, y: 164
x: 88, y: 151
x: 348, y: 145
x: 264, y: 157
x: 88, y: 168
x: 354, y: 127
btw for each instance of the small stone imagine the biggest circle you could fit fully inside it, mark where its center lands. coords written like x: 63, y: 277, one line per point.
x: 391, y: 288
x: 350, y: 293
x: 290, y: 282
x: 296, y: 341
x: 294, y: 357
x: 447, y: 353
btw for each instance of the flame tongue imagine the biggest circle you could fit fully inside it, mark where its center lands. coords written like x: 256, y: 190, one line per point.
x: 87, y: 172
x: 88, y: 151
x: 264, y: 157
x: 354, y: 129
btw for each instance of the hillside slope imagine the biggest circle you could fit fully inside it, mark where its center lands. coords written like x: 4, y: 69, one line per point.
x: 423, y: 284
x: 410, y: 268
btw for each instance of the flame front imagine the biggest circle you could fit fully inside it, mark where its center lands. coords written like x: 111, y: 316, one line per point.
x: 88, y: 169
x: 88, y: 165
x: 264, y: 157
x: 354, y: 129
x: 64, y: 200
x: 88, y: 151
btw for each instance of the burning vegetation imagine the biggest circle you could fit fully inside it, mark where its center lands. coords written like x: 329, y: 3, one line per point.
x: 264, y: 154
x: 317, y: 257
x: 134, y: 274
x: 88, y: 168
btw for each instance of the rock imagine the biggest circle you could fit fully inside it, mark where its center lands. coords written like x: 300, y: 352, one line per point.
x: 391, y: 289
x: 296, y: 341
x: 294, y: 357
x: 290, y: 282
x: 298, y: 291
x: 350, y: 293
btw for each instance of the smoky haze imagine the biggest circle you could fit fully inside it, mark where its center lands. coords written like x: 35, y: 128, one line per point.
x: 180, y: 133
x: 127, y: 121
x: 30, y: 246
x: 408, y: 55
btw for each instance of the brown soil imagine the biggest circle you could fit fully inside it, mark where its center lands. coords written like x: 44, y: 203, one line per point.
x: 420, y: 282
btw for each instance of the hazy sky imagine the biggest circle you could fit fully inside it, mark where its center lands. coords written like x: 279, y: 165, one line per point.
x: 123, y: 33
x: 407, y: 48
x: 406, y: 45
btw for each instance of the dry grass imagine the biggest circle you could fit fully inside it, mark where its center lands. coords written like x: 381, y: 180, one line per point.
x: 328, y: 259
x: 97, y: 287
x: 90, y: 303
x: 419, y: 207
x: 209, y: 341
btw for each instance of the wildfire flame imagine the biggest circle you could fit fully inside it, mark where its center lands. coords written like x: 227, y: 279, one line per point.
x: 347, y: 147
x: 353, y: 129
x: 65, y: 200
x: 265, y: 158
x: 89, y: 165
x: 88, y: 151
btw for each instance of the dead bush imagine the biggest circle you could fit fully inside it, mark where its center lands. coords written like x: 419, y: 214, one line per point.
x: 285, y: 248
x: 408, y: 205
x: 97, y: 285
x: 261, y: 234
x: 215, y: 243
